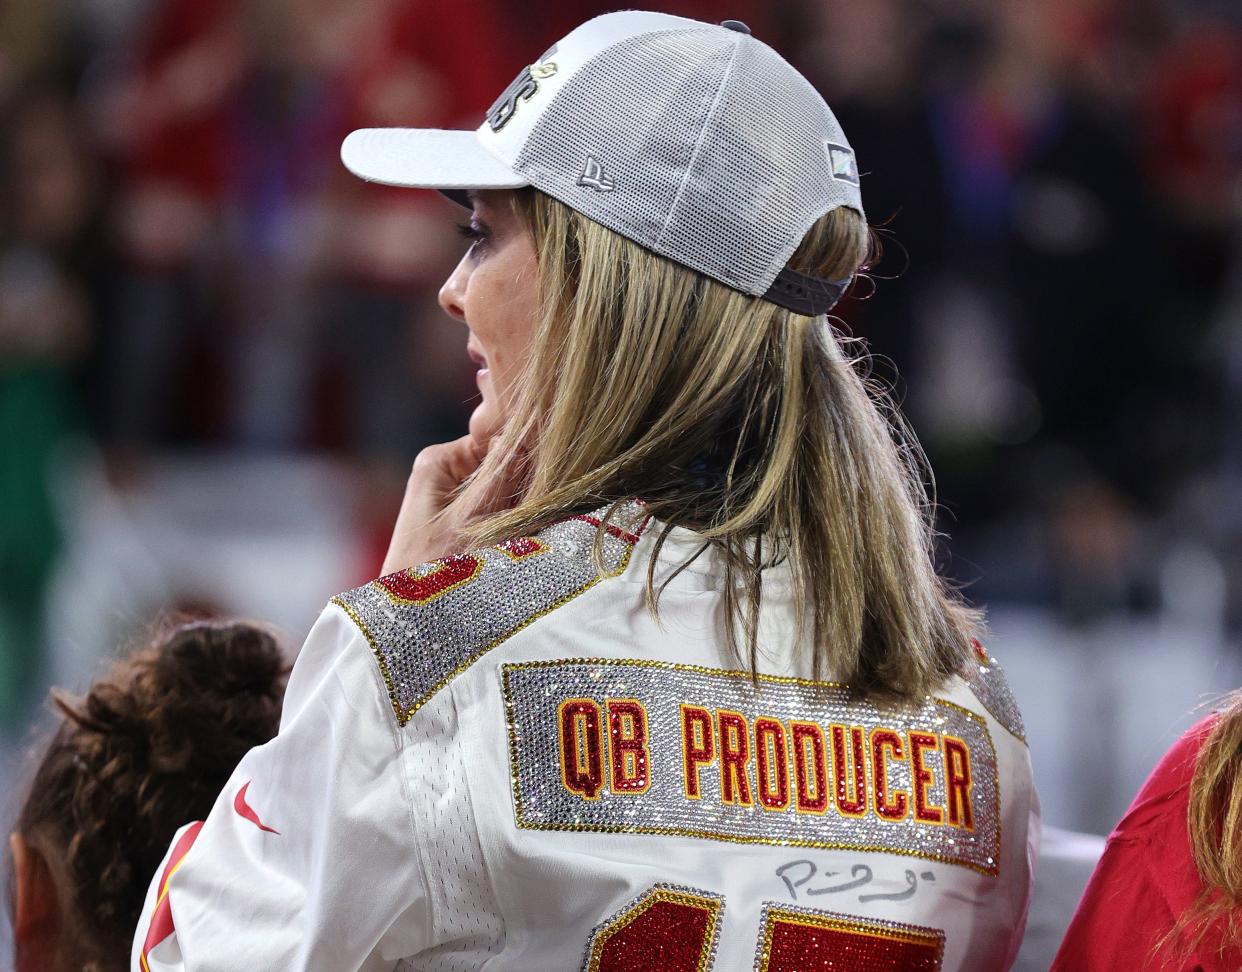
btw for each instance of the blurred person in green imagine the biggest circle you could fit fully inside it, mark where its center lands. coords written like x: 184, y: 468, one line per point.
x: 45, y: 324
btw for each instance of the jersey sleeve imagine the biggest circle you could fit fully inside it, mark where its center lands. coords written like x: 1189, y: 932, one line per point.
x: 307, y: 861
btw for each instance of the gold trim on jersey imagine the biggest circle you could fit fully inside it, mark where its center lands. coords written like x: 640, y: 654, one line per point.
x: 926, y: 785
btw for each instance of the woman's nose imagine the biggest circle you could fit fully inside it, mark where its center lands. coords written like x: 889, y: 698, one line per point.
x: 452, y: 293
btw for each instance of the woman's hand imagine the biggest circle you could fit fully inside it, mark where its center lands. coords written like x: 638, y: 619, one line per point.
x: 421, y: 533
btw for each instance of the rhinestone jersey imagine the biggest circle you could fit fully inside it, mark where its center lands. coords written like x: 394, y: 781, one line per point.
x: 810, y: 940
x: 668, y: 927
x: 640, y: 746
x: 428, y: 624
x: 986, y: 679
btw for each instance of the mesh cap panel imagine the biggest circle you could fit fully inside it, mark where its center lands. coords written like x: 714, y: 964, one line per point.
x: 722, y: 164
x: 761, y: 177
x: 642, y: 143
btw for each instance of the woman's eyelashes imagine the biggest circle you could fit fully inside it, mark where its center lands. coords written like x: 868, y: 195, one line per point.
x: 476, y: 232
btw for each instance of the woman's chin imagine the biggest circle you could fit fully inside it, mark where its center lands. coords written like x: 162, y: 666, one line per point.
x: 485, y: 422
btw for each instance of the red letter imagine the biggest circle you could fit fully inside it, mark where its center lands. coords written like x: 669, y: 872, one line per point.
x: 810, y: 767
x: 582, y: 762
x: 881, y: 740
x: 627, y: 745
x: 957, y: 783
x: 771, y: 764
x: 698, y: 747
x: 734, y: 755
x: 849, y: 770
x: 924, y: 810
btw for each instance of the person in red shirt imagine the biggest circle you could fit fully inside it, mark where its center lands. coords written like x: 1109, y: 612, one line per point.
x: 1167, y: 893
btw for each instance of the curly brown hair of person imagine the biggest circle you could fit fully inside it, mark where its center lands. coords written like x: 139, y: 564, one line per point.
x: 147, y: 750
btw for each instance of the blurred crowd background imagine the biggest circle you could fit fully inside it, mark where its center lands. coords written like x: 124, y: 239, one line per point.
x: 219, y: 352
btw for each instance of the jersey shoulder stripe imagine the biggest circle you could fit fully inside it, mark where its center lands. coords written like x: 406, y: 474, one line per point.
x: 161, y: 927
x: 428, y: 624
x: 986, y: 679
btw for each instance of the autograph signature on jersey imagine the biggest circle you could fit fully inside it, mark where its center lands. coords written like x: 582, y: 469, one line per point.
x: 799, y: 875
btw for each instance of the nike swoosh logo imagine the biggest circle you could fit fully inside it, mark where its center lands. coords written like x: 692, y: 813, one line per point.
x: 246, y: 812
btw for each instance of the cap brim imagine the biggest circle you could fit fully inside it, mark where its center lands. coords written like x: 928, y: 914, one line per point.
x: 426, y: 158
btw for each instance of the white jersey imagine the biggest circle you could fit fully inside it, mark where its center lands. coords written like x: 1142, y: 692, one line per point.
x: 503, y: 760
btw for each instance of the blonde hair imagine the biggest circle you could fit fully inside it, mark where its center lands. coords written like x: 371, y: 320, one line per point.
x: 740, y: 420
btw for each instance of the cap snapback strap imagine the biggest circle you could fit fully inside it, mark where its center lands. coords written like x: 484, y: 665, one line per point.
x: 804, y: 294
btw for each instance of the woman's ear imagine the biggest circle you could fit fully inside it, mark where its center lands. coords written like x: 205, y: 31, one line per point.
x: 36, y: 911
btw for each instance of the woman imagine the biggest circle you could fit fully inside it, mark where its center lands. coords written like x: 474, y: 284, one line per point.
x: 147, y: 749
x: 682, y: 686
x: 1167, y: 894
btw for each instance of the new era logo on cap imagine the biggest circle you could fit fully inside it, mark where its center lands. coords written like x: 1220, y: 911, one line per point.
x: 593, y: 176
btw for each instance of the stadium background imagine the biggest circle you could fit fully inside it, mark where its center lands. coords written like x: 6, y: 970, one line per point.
x: 219, y: 352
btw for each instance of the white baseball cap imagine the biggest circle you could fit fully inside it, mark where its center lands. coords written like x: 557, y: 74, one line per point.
x: 694, y: 140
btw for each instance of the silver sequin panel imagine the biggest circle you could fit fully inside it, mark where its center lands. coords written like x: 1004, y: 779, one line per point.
x: 987, y: 680
x: 865, y: 928
x: 427, y: 624
x: 534, y: 690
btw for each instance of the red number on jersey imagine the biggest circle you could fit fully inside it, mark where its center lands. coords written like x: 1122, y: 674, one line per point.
x: 674, y: 929
x: 806, y: 940
x: 668, y: 928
